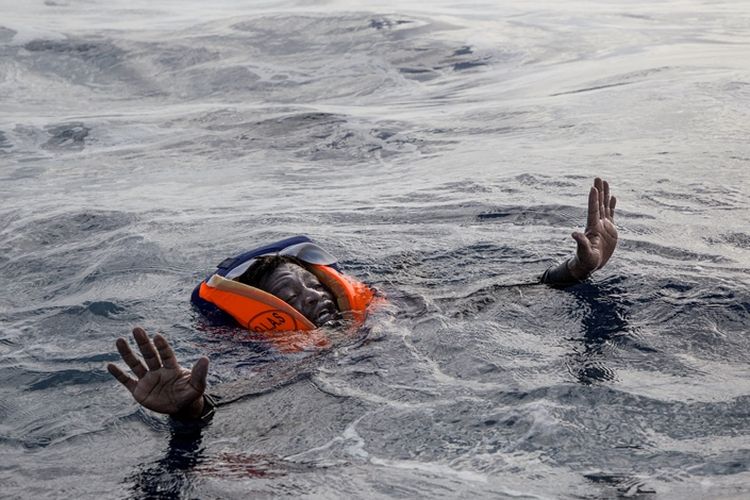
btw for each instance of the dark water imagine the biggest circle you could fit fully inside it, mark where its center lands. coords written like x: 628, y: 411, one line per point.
x: 443, y: 151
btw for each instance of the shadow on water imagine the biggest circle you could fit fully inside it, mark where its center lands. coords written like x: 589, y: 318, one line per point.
x: 171, y: 476
x: 603, y: 321
x: 186, y: 461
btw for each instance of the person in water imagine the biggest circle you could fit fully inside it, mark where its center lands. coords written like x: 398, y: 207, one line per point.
x: 288, y: 279
x: 307, y: 295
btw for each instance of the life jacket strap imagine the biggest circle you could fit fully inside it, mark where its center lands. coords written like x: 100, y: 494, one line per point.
x: 353, y: 297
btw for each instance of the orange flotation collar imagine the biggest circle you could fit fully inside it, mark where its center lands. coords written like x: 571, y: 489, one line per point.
x: 265, y: 314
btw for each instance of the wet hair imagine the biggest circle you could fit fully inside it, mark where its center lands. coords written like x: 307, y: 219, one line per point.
x: 257, y: 273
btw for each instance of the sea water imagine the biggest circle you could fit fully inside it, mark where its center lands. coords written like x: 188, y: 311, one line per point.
x: 443, y: 151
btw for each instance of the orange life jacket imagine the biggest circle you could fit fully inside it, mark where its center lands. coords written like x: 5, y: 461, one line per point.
x: 270, y: 318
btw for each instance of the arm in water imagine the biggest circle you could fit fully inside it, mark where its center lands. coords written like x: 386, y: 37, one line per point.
x: 595, y: 245
x: 162, y: 385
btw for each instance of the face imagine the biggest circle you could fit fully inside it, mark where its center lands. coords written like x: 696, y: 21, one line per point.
x: 299, y: 288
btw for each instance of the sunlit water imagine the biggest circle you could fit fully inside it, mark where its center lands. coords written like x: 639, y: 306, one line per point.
x: 442, y: 151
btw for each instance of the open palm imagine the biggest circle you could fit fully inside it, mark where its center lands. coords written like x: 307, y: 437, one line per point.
x: 597, y: 243
x: 162, y: 385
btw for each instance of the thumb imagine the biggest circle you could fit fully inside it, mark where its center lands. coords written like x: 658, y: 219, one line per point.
x: 583, y: 242
x: 198, y: 375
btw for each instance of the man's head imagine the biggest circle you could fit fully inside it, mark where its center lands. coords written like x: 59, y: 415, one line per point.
x: 287, y: 279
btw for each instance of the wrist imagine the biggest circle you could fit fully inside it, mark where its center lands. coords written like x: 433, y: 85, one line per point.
x: 193, y: 411
x: 577, y: 270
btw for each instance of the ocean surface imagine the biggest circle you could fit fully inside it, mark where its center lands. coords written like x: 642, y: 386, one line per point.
x: 443, y: 151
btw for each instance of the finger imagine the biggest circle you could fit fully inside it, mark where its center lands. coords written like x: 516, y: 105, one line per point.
x: 198, y: 375
x: 130, y: 359
x: 150, y: 356
x: 605, y: 212
x: 612, y: 204
x: 593, y: 217
x: 599, y: 185
x: 122, y: 377
x: 165, y: 352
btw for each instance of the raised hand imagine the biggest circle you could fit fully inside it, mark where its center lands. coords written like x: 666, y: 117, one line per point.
x: 162, y: 384
x: 597, y: 243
